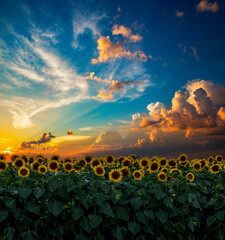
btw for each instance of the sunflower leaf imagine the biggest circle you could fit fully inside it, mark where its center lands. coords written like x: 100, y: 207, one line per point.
x: 38, y: 192
x: 76, y: 212
x: 55, y: 208
x: 123, y: 213
x: 161, y: 215
x: 3, y: 215
x: 9, y: 233
x: 134, y: 227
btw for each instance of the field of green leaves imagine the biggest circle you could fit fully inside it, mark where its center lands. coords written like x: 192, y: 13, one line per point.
x: 112, y: 198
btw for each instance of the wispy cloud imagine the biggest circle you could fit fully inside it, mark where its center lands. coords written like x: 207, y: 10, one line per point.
x: 204, y: 5
x: 194, y: 53
x: 179, y: 14
x: 85, y: 129
x: 82, y: 22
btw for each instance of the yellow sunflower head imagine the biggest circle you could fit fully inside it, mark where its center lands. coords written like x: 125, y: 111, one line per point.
x: 55, y: 157
x: 165, y: 170
x: 215, y: 168
x: 162, y: 177
x: 18, y: 163
x: 67, y: 160
x: 133, y: 156
x: 190, y: 177
x: 126, y: 172
x: 99, y: 171
x: 42, y: 169
x: 137, y: 174
x: 175, y: 173
x: 24, y: 172
x: 115, y: 175
x: 68, y: 167
x: 197, y: 166
x: 88, y: 158
x: 83, y: 163
x: 162, y: 162
x: 120, y: 159
x: 203, y: 163
x: 2, y: 157
x: 172, y: 163
x: 14, y: 157
x: 95, y: 162
x: 210, y: 159
x: 53, y: 166
x: 183, y: 158
x: 3, y: 165
x: 109, y: 159
x: 144, y: 162
x: 35, y: 165
x: 154, y: 166
x: 219, y: 158
x: 127, y: 162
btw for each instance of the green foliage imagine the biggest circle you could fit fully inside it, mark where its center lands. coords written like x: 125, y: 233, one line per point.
x: 84, y: 206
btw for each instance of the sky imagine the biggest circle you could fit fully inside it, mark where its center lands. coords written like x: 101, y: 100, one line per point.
x: 112, y: 77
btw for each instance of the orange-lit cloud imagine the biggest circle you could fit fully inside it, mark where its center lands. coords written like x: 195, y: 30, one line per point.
x: 126, y: 33
x: 95, y: 78
x: 108, y: 50
x: 120, y: 87
x: 221, y: 113
x: 104, y: 95
x: 179, y: 14
x: 69, y: 132
x: 204, y: 5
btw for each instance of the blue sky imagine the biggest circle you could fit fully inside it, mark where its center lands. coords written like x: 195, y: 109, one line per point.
x: 98, y: 68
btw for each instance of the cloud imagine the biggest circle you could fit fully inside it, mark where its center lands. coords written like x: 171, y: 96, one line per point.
x: 69, y: 132
x: 221, y: 113
x: 194, y: 53
x: 121, y: 88
x: 108, y: 50
x: 44, y: 138
x: 85, y: 129
x: 204, y: 5
x: 108, y: 140
x: 35, y: 63
x: 72, y: 138
x: 179, y: 14
x: 95, y: 78
x: 215, y: 91
x: 126, y: 33
x: 82, y: 22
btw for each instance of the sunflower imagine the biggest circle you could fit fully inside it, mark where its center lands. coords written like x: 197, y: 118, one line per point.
x: 67, y: 160
x: 203, y: 163
x: 175, y: 173
x: 144, y: 162
x: 83, y: 163
x: 162, y: 177
x: 2, y: 156
x: 127, y: 162
x: 125, y: 171
x: 68, y: 167
x: 210, y: 159
x: 138, y: 175
x: 55, y: 157
x: 154, y: 167
x: 95, y: 162
x: 120, y: 159
x: 215, y: 168
x: 190, y: 177
x: 162, y: 162
x: 18, y: 163
x: 53, y: 166
x: 115, y: 175
x: 133, y: 156
x: 35, y: 165
x: 14, y: 157
x: 3, y: 165
x: 197, y: 166
x: 109, y: 159
x: 88, y: 159
x: 42, y: 169
x: 99, y: 171
x: 24, y: 172
x: 183, y: 158
x: 219, y: 158
x: 165, y: 170
x: 31, y: 159
x: 172, y: 163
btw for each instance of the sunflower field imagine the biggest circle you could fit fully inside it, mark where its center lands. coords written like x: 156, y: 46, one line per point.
x: 112, y: 198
